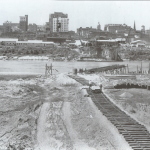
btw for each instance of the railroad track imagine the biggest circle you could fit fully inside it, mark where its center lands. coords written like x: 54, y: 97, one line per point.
x: 134, y: 133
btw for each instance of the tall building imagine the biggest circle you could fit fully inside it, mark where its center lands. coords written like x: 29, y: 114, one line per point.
x: 41, y: 28
x: 24, y: 23
x: 98, y: 26
x: 59, y: 22
x: 134, y: 26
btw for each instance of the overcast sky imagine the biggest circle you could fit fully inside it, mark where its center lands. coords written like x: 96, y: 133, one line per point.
x: 81, y: 13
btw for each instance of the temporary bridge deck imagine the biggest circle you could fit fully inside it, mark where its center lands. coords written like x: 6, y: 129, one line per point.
x: 106, y: 68
x: 134, y: 133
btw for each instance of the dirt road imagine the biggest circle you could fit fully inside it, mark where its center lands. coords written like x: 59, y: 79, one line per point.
x: 77, y: 143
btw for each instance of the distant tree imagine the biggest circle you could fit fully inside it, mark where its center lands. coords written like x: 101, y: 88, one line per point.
x: 42, y: 51
x: 19, y: 51
x: 36, y: 52
x: 8, y: 50
x: 12, y: 50
x: 32, y: 52
x: 27, y: 52
x: 2, y: 43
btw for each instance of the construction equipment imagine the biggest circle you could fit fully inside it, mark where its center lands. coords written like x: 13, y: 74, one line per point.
x: 106, y: 49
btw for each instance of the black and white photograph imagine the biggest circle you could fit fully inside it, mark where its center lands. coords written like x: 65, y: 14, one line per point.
x: 74, y: 75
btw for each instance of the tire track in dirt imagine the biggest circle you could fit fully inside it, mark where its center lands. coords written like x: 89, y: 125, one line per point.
x: 77, y: 143
x: 51, y: 130
x: 41, y: 134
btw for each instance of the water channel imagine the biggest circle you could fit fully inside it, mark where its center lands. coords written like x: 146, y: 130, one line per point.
x: 38, y: 66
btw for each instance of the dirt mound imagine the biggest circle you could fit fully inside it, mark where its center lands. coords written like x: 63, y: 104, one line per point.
x: 63, y: 79
x: 126, y: 95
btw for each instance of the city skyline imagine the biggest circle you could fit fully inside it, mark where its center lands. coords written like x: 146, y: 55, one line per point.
x: 80, y: 13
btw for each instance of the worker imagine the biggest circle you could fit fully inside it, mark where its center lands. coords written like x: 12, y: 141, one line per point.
x: 100, y: 85
x: 90, y: 84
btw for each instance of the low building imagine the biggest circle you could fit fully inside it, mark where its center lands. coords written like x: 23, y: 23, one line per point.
x: 5, y: 41
x: 29, y: 43
x: 147, y: 32
x: 47, y: 27
x: 41, y: 28
x: 35, y: 43
x: 15, y: 27
x: 86, y: 32
x: 9, y: 43
x: 143, y: 29
x: 120, y: 29
x: 32, y: 27
x: 1, y: 29
x: 7, y: 27
x: 121, y: 40
x: 57, y: 39
x: 23, y: 25
x: 138, y: 43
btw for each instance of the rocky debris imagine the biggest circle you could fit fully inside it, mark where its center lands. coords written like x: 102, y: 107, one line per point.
x: 20, y: 109
x: 24, y: 132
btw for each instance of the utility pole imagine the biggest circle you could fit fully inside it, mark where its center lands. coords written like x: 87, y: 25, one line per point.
x: 141, y: 67
x: 149, y: 69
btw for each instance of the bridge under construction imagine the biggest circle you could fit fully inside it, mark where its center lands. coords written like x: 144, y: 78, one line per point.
x: 133, y: 132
